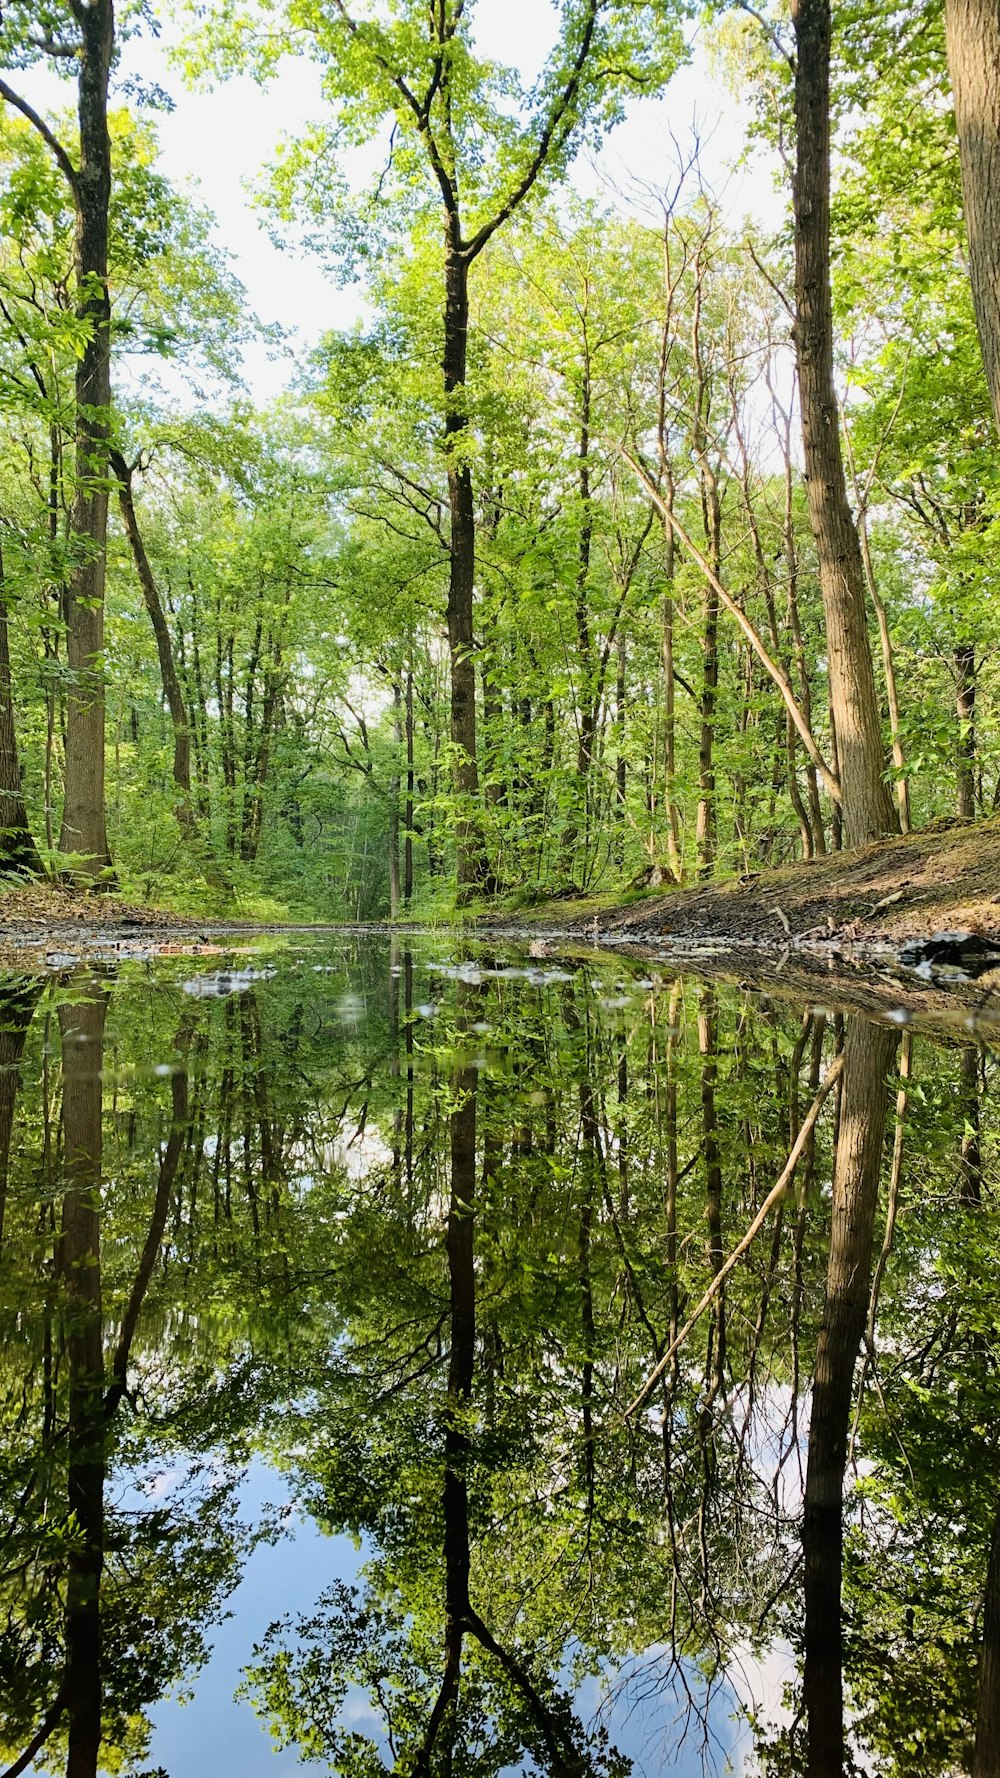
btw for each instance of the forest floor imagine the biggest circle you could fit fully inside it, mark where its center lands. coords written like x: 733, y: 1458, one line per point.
x: 868, y: 925
x: 945, y: 876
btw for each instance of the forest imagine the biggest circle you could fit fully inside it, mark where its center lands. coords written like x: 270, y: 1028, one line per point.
x: 443, y: 1335
x: 618, y: 542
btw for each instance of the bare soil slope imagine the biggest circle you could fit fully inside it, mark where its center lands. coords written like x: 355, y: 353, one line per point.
x: 946, y: 876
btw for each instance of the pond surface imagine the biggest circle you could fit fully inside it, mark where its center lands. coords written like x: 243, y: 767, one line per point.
x: 417, y: 1359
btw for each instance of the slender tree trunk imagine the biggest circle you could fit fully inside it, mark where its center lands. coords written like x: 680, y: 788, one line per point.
x: 708, y: 1046
x: 971, y: 1105
x: 164, y: 643
x: 586, y: 710
x: 18, y: 851
x: 711, y: 519
x: 620, y: 765
x: 986, y: 1758
x: 805, y: 689
x: 868, y: 813
x: 891, y: 686
x: 965, y: 707
x: 408, y: 808
x: 17, y: 1007
x: 397, y: 697
x: 470, y: 859
x: 495, y: 790
x: 669, y: 715
x: 869, y: 1053
x: 460, y: 1243
x: 973, y: 34
x: 83, y: 823
x: 706, y: 821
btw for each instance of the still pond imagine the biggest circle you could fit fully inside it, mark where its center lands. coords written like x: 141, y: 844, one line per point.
x: 422, y: 1359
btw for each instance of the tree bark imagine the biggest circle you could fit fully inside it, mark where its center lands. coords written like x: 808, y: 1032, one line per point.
x: 83, y: 824
x: 868, y: 812
x: 18, y: 851
x: 973, y: 35
x: 470, y: 862
x: 869, y: 1052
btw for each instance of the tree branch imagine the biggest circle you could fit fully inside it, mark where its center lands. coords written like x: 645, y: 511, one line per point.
x: 776, y: 1192
x: 553, y: 125
x: 41, y: 1735
x: 772, y: 667
x: 62, y: 158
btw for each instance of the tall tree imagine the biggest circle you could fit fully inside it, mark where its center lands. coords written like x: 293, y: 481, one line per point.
x: 84, y: 35
x: 973, y: 32
x: 484, y: 144
x: 867, y: 805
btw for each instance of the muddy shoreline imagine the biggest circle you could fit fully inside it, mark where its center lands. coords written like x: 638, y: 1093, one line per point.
x: 852, y: 931
x: 863, y: 975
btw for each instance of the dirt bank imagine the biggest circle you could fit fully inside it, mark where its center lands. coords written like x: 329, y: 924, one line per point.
x: 862, y: 929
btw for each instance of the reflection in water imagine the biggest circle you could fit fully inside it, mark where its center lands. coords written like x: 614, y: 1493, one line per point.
x: 643, y: 1334
x: 868, y: 1052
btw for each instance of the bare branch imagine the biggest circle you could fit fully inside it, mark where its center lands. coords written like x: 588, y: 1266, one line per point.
x: 774, y: 1196
x: 772, y: 667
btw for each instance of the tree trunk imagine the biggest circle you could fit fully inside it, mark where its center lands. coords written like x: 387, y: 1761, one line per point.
x: 408, y: 808
x: 621, y: 777
x: 83, y: 823
x: 586, y: 703
x: 669, y: 713
x: 867, y: 806
x: 394, y: 805
x: 17, y: 1007
x: 705, y: 828
x: 965, y: 707
x: 973, y: 34
x: 470, y: 861
x: 18, y: 851
x: 986, y: 1758
x: 164, y: 645
x: 869, y: 1052
x: 82, y: 1029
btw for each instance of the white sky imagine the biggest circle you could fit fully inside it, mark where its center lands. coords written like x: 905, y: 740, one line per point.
x: 219, y: 140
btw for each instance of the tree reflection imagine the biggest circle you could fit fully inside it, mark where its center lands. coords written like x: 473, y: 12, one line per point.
x: 558, y: 1290
x: 869, y: 1052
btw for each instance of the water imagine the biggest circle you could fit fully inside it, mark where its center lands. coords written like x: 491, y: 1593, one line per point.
x: 388, y: 1381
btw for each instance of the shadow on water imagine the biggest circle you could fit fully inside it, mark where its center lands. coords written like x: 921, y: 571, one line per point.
x: 642, y: 1334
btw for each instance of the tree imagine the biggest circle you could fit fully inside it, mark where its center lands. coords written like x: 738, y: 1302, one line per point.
x: 867, y: 806
x: 484, y: 146
x: 83, y: 35
x: 973, y: 34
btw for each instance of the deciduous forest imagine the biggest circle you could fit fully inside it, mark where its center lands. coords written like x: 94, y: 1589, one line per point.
x: 499, y: 889
x: 619, y: 542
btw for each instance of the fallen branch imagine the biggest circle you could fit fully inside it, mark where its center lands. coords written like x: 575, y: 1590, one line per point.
x: 777, y: 1191
x: 772, y: 667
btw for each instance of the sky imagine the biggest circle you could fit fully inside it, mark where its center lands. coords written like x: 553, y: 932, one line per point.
x: 219, y: 141
x: 215, y: 1732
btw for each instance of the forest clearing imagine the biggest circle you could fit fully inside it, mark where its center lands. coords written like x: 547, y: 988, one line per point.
x: 499, y: 889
